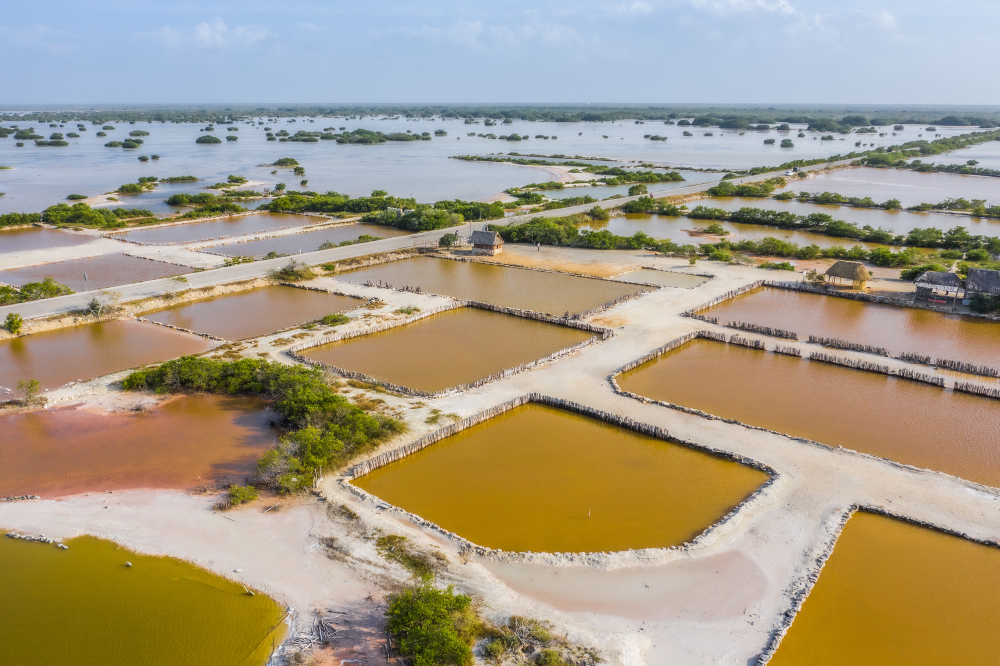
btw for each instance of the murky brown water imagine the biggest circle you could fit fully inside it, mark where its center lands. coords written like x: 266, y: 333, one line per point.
x: 83, y: 606
x: 539, y: 291
x: 894, y: 594
x: 25, y: 239
x: 253, y: 313
x: 448, y: 349
x: 663, y: 278
x: 898, y: 329
x: 185, y: 443
x: 236, y: 226
x: 89, y: 351
x: 537, y: 478
x: 107, y: 270
x: 307, y: 241
x: 912, y: 423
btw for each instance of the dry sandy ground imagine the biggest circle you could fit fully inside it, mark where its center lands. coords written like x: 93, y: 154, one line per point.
x: 716, y: 602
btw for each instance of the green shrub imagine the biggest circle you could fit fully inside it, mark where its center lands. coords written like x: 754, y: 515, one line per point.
x: 433, y: 627
x: 447, y: 240
x: 75, y: 197
x: 13, y: 323
x: 407, y: 310
x: 242, y: 494
x: 777, y: 265
x: 208, y: 138
x: 335, y: 319
x: 914, y: 272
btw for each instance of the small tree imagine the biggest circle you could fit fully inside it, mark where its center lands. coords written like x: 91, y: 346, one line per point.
x: 13, y: 323
x: 636, y: 190
x: 28, y: 388
x: 103, y: 304
x: 447, y: 240
x: 280, y: 187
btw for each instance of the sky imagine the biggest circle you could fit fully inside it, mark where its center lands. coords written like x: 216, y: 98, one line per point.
x: 462, y: 51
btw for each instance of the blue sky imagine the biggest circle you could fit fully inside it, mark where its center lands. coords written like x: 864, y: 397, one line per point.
x: 784, y: 51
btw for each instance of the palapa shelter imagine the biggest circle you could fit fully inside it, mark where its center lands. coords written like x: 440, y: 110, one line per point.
x: 854, y: 271
x: 937, y: 286
x: 981, y: 281
x: 486, y: 242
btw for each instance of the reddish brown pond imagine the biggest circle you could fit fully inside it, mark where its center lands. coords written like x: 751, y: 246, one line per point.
x: 25, y: 239
x: 448, y: 349
x: 253, y: 313
x: 225, y: 227
x: 912, y: 423
x: 540, y: 291
x: 898, y: 329
x: 89, y: 351
x: 107, y: 270
x: 185, y: 443
x: 307, y: 241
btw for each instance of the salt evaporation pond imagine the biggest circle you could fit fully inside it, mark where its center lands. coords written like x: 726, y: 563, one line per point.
x: 909, y: 422
x: 90, y: 350
x: 188, y: 232
x: 185, y: 443
x: 25, y: 239
x: 539, y: 478
x: 84, y: 606
x: 910, y: 187
x: 307, y: 241
x: 250, y: 314
x: 895, y: 594
x: 540, y: 291
x: 100, y: 272
x: 663, y: 278
x: 448, y: 349
x: 897, y: 329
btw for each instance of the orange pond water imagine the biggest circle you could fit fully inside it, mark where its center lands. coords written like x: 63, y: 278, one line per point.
x: 538, y: 478
x: 91, y: 350
x: 106, y: 270
x: 912, y: 423
x: 253, y: 313
x: 894, y: 594
x: 448, y: 349
x: 553, y: 293
x: 182, y: 444
x: 898, y: 329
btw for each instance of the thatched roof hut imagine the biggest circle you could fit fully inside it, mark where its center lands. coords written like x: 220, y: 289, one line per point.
x: 487, y: 242
x: 854, y: 271
x: 931, y: 283
x: 982, y: 281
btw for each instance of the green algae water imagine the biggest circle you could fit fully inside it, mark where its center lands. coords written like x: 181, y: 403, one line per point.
x: 84, y: 607
x: 539, y: 478
x: 896, y: 594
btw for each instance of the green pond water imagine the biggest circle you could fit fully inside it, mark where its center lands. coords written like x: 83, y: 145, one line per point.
x: 84, y: 607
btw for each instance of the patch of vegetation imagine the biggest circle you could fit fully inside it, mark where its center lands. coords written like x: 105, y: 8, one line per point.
x: 32, y: 291
x: 777, y: 265
x: 82, y: 215
x: 75, y: 197
x: 421, y: 565
x: 241, y: 495
x: 335, y: 319
x: 407, y: 310
x: 208, y: 138
x: 292, y: 272
x: 13, y: 323
x: 433, y: 627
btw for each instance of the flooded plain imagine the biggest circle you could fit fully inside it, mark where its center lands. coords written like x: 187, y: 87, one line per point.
x: 185, y: 443
x: 898, y: 329
x: 90, y: 350
x: 910, y: 187
x: 25, y: 239
x: 250, y: 314
x: 307, y: 241
x: 540, y: 291
x: 189, y: 232
x: 448, y: 349
x: 663, y: 278
x: 912, y: 423
x: 100, y: 272
x: 543, y: 479
x: 83, y: 606
x: 893, y: 593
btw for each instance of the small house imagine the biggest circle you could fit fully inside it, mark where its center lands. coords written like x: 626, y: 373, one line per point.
x: 854, y: 271
x: 486, y: 242
x: 938, y: 286
x: 981, y: 281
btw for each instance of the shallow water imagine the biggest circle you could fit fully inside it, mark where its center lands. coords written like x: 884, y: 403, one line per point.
x: 893, y: 594
x: 905, y: 421
x: 187, y: 232
x: 253, y: 313
x: 307, y: 241
x: 91, y: 350
x: 537, y: 478
x: 898, y: 329
x: 100, y: 272
x: 448, y: 349
x: 910, y: 187
x: 185, y: 443
x: 663, y: 278
x: 84, y: 607
x: 540, y: 291
x: 24, y: 239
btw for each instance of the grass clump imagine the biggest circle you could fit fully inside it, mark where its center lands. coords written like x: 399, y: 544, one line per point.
x: 292, y: 272
x: 335, y: 319
x: 242, y: 495
x: 421, y: 565
x: 407, y: 310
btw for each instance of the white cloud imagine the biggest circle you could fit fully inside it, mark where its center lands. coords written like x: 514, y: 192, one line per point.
x: 214, y: 34
x: 54, y: 40
x: 632, y: 8
x: 883, y: 19
x: 723, y: 7
x: 474, y: 35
